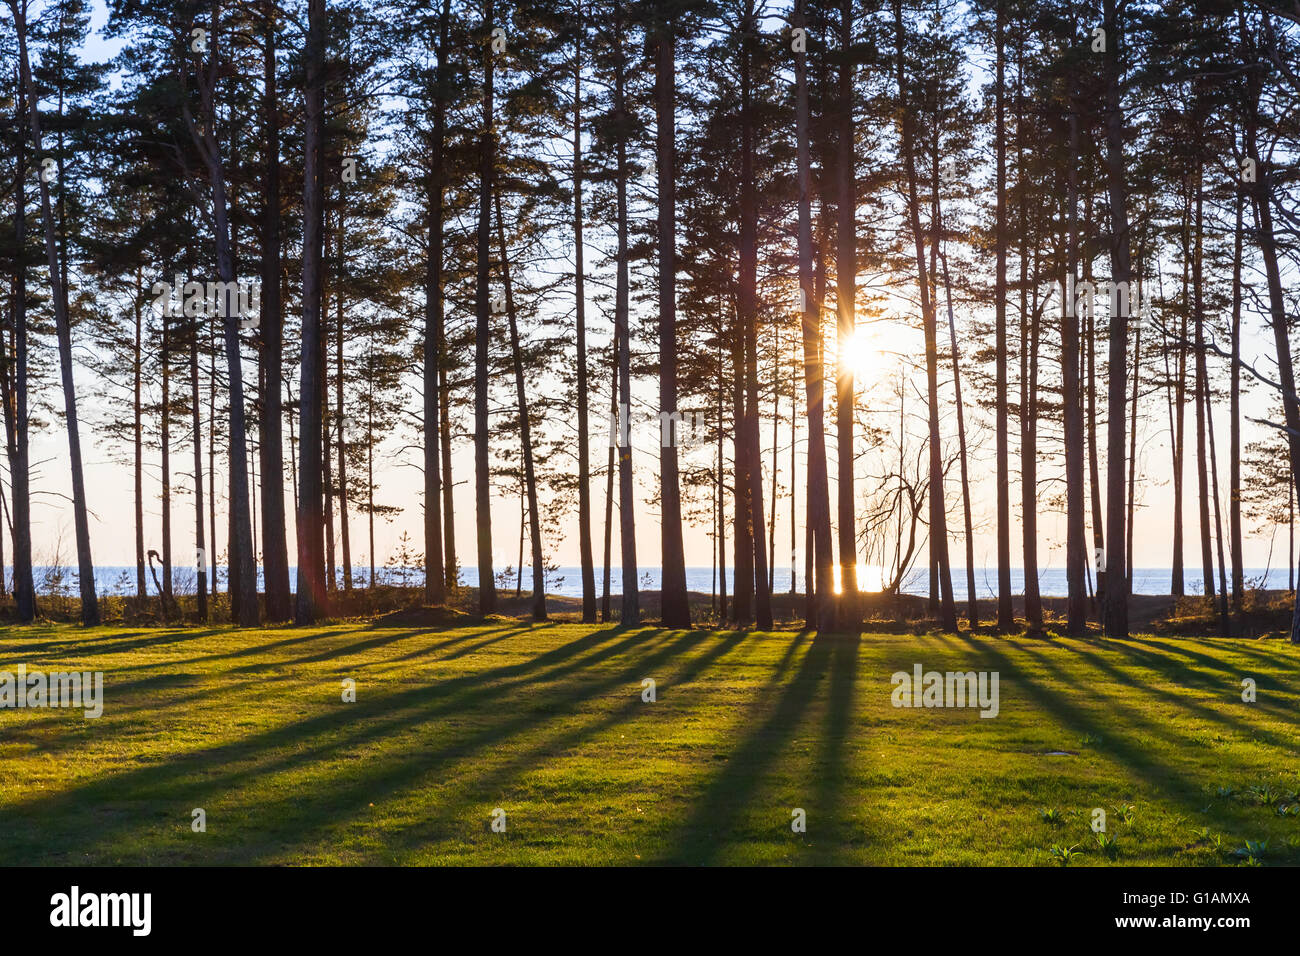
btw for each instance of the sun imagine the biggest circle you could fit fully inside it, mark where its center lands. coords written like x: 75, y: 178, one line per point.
x: 864, y: 354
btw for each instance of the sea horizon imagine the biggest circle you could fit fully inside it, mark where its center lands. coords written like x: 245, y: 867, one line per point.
x: 566, y: 581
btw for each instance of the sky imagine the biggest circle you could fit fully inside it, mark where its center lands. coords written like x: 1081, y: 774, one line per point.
x: 880, y: 349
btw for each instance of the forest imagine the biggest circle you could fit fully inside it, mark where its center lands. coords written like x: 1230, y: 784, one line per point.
x: 883, y: 279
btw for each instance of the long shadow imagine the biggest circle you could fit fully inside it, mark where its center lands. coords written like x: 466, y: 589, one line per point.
x: 369, y: 721
x: 246, y: 651
x: 119, y: 643
x: 832, y: 769
x: 486, y: 786
x: 471, y: 648
x: 697, y: 841
x: 1237, y: 646
x: 1191, y: 670
x: 1127, y: 753
x: 1181, y: 701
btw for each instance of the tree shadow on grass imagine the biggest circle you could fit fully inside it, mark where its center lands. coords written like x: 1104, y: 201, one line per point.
x: 1119, y: 744
x: 702, y: 837
x: 214, y: 774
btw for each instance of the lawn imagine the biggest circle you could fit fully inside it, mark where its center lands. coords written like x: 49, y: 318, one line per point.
x: 548, y: 724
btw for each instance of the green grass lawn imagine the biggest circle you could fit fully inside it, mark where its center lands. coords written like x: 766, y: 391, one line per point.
x: 548, y: 723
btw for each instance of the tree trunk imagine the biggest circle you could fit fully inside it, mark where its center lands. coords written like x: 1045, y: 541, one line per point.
x: 63, y: 331
x: 16, y: 416
x: 1006, y: 614
x: 482, y: 317
x: 196, y: 423
x: 1202, y: 404
x: 310, y: 603
x: 580, y: 320
x: 1234, y: 421
x: 747, y: 308
x: 525, y: 431
x: 1072, y: 412
x: 675, y: 607
x: 938, y: 508
x: 1261, y: 196
x: 631, y: 612
x: 435, y: 572
x: 846, y: 268
x: 275, y: 551
x: 1116, y: 598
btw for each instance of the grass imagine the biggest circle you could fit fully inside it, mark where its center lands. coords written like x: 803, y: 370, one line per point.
x: 547, y: 722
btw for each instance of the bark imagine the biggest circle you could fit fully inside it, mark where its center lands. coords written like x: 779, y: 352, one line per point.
x: 435, y: 572
x: 580, y: 321
x: 846, y: 268
x: 275, y: 551
x: 1202, y: 403
x: 17, y: 422
x: 482, y: 313
x: 1072, y: 411
x: 938, y: 509
x: 310, y: 598
x: 747, y: 309
x: 972, y: 602
x: 1006, y: 614
x: 200, y: 552
x: 631, y: 604
x: 1116, y: 598
x: 1261, y: 197
x: 675, y: 608
x: 1234, y: 421
x: 63, y: 331
x: 525, y: 433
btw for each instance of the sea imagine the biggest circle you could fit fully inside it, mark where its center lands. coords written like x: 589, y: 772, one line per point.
x: 567, y: 581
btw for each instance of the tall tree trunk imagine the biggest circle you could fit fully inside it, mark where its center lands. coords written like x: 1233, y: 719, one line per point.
x: 972, y: 602
x: 675, y: 607
x: 1029, y: 335
x: 631, y: 612
x: 1072, y: 412
x: 743, y: 557
x: 1116, y: 598
x: 609, y: 489
x: 196, y: 423
x: 1234, y: 420
x: 165, y: 441
x: 1261, y: 197
x: 340, y: 415
x: 141, y: 583
x: 275, y: 550
x: 1225, y: 626
x: 1006, y: 613
x: 525, y: 431
x: 482, y: 317
x: 17, y: 422
x: 1202, y: 404
x: 1132, y: 451
x: 435, y: 572
x: 846, y: 268
x: 747, y: 309
x: 938, y: 505
x: 310, y: 598
x: 63, y: 331
x: 580, y: 320
x: 1177, y: 582
x: 721, y: 476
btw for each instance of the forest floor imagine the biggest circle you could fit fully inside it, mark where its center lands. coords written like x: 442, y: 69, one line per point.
x: 548, y: 723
